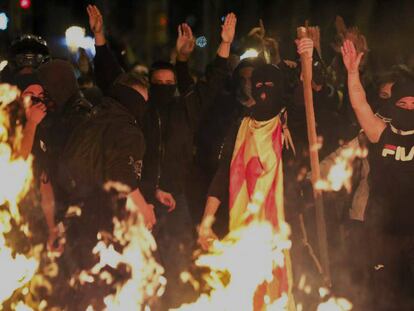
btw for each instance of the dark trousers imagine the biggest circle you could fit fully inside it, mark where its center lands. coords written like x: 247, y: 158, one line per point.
x: 175, y: 236
x: 392, y: 271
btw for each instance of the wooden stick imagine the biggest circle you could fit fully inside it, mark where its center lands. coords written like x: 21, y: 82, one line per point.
x: 306, y: 63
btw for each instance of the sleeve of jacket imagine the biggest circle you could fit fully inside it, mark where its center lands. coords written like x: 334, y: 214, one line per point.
x: 107, y: 67
x: 184, y: 79
x: 201, y: 95
x: 219, y: 186
x: 123, y: 156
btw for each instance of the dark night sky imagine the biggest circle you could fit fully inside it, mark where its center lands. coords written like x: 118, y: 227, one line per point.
x: 388, y: 24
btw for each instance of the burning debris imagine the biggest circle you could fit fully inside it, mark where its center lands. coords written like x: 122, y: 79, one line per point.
x: 15, y: 181
x: 239, y: 264
x: 337, y: 167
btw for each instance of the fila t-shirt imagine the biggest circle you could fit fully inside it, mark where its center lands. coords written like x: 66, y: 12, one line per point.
x: 392, y: 181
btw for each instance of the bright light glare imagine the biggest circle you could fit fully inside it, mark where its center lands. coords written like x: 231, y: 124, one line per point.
x: 75, y: 39
x: 249, y: 53
x: 4, y: 20
x: 3, y: 64
x: 75, y: 35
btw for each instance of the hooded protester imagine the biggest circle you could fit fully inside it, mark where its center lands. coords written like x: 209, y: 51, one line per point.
x: 77, y: 150
x: 229, y: 105
x: 389, y: 214
x: 251, y: 164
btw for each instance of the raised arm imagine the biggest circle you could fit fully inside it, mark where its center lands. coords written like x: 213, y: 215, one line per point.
x: 228, y: 30
x: 184, y: 47
x: 372, y: 125
x: 220, y: 68
x: 107, y: 67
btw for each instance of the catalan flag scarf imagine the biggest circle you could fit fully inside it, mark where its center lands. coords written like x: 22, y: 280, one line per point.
x: 256, y: 183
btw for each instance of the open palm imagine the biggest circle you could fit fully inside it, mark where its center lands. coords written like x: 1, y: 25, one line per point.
x: 185, y: 41
x: 95, y: 19
x: 229, y: 28
x: 350, y: 56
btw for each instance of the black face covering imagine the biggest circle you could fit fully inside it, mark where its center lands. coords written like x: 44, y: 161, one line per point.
x: 402, y: 119
x: 268, y: 95
x: 162, y: 94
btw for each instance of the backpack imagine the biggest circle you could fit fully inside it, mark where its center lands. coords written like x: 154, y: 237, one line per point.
x: 82, y: 160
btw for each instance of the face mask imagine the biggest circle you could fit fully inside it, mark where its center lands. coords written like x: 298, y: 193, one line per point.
x: 268, y: 103
x: 402, y: 119
x: 267, y: 92
x: 162, y: 94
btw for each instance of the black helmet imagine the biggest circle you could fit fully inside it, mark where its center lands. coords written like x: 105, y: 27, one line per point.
x: 29, y: 51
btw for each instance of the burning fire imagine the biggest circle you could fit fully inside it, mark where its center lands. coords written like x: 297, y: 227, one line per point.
x: 248, y: 257
x: 15, y: 180
x: 340, y: 167
x: 146, y: 282
x: 239, y: 263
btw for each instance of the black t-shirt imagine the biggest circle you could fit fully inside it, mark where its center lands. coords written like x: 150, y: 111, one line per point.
x: 392, y: 182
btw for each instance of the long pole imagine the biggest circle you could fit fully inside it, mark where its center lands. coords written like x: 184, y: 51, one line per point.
x: 306, y: 63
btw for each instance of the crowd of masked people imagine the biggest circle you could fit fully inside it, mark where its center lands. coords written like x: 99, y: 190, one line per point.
x: 158, y: 145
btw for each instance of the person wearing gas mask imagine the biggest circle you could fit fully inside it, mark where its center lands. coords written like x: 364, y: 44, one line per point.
x: 389, y: 214
x: 26, y: 53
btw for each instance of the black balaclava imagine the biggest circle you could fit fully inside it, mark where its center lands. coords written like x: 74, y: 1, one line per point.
x: 269, y: 99
x: 402, y: 119
x: 162, y: 94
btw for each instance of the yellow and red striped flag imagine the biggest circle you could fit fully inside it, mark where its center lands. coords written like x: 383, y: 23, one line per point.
x: 256, y: 191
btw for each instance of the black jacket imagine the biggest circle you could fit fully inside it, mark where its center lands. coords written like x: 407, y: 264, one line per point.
x: 169, y: 138
x: 107, y: 147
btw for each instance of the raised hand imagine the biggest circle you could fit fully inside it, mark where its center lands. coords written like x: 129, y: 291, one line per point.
x: 351, y: 57
x: 349, y: 33
x: 95, y: 19
x: 357, y: 39
x: 185, y: 42
x: 271, y: 46
x: 229, y: 28
x: 258, y: 32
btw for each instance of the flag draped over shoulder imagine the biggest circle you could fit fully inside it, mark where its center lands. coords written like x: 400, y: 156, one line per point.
x: 256, y: 190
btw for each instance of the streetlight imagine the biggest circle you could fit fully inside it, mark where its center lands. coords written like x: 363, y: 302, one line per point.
x: 4, y: 20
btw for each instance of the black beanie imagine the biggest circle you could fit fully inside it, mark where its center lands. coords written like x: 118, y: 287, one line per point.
x: 59, y: 81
